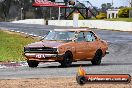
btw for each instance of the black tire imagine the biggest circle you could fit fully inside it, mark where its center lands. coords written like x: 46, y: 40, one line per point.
x: 97, y: 58
x: 32, y: 63
x: 67, y: 60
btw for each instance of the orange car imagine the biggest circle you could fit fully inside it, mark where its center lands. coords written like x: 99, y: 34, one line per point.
x: 66, y: 46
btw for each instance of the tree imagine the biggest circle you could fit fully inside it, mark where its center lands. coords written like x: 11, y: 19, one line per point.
x: 5, y: 6
x: 105, y: 7
x: 8, y: 7
x: 24, y: 6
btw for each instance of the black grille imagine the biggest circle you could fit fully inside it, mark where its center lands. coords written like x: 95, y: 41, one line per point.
x: 40, y: 49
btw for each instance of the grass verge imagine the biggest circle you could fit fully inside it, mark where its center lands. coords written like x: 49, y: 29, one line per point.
x: 121, y: 19
x: 115, y: 19
x: 11, y: 45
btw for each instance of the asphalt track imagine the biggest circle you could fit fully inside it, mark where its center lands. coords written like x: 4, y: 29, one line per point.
x: 119, y: 61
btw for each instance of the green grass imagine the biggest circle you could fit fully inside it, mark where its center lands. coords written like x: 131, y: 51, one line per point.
x: 11, y: 46
x: 115, y: 19
x: 121, y: 19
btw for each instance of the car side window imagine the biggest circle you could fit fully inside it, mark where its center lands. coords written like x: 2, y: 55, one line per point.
x: 81, y: 37
x: 90, y: 36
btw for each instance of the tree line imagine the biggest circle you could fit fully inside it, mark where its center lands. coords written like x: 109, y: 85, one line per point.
x: 11, y: 9
x: 22, y: 9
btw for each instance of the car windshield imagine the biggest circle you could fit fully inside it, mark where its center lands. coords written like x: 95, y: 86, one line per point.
x: 60, y: 36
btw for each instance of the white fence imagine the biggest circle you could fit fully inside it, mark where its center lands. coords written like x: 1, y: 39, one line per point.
x: 101, y: 24
x: 31, y: 21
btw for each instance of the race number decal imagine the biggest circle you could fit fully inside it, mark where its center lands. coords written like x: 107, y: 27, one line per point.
x: 40, y: 56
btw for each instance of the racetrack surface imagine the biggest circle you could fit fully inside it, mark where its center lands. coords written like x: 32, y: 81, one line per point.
x: 119, y: 61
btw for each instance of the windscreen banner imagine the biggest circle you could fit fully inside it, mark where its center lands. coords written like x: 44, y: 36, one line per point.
x: 46, y: 3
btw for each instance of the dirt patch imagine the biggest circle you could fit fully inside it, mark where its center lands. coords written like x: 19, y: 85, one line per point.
x: 55, y: 82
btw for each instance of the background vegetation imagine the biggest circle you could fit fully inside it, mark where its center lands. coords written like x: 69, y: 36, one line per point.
x: 124, y: 12
x: 101, y: 15
x: 14, y: 9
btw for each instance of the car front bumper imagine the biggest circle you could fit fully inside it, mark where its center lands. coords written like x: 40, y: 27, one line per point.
x: 42, y: 55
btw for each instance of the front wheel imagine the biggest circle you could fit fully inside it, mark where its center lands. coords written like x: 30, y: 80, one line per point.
x: 97, y: 58
x: 67, y: 60
x: 32, y: 63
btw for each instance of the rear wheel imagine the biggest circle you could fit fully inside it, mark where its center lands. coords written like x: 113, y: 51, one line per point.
x: 97, y: 58
x: 32, y: 63
x: 67, y: 60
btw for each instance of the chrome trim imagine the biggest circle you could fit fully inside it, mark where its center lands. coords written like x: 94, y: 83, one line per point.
x: 46, y: 55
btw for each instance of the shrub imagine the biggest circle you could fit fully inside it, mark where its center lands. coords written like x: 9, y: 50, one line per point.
x: 1, y: 19
x: 101, y: 16
x: 30, y: 15
x: 124, y: 12
x: 80, y: 17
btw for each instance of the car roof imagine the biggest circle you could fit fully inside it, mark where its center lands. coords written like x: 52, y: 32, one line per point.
x: 73, y: 29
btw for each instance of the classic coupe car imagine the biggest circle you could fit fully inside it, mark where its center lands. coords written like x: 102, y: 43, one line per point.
x: 66, y: 46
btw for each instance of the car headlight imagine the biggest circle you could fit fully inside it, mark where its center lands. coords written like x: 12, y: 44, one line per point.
x: 26, y: 49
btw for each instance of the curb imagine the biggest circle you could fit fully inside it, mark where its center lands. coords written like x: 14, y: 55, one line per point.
x: 28, y: 34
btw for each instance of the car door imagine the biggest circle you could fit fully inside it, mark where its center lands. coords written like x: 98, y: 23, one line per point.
x: 80, y: 45
x: 92, y: 44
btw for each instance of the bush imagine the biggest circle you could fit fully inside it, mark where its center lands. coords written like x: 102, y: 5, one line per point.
x: 30, y: 15
x: 101, y: 16
x: 80, y: 17
x: 124, y: 12
x: 1, y: 19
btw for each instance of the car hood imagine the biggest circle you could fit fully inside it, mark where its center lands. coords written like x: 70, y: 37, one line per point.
x: 45, y: 44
